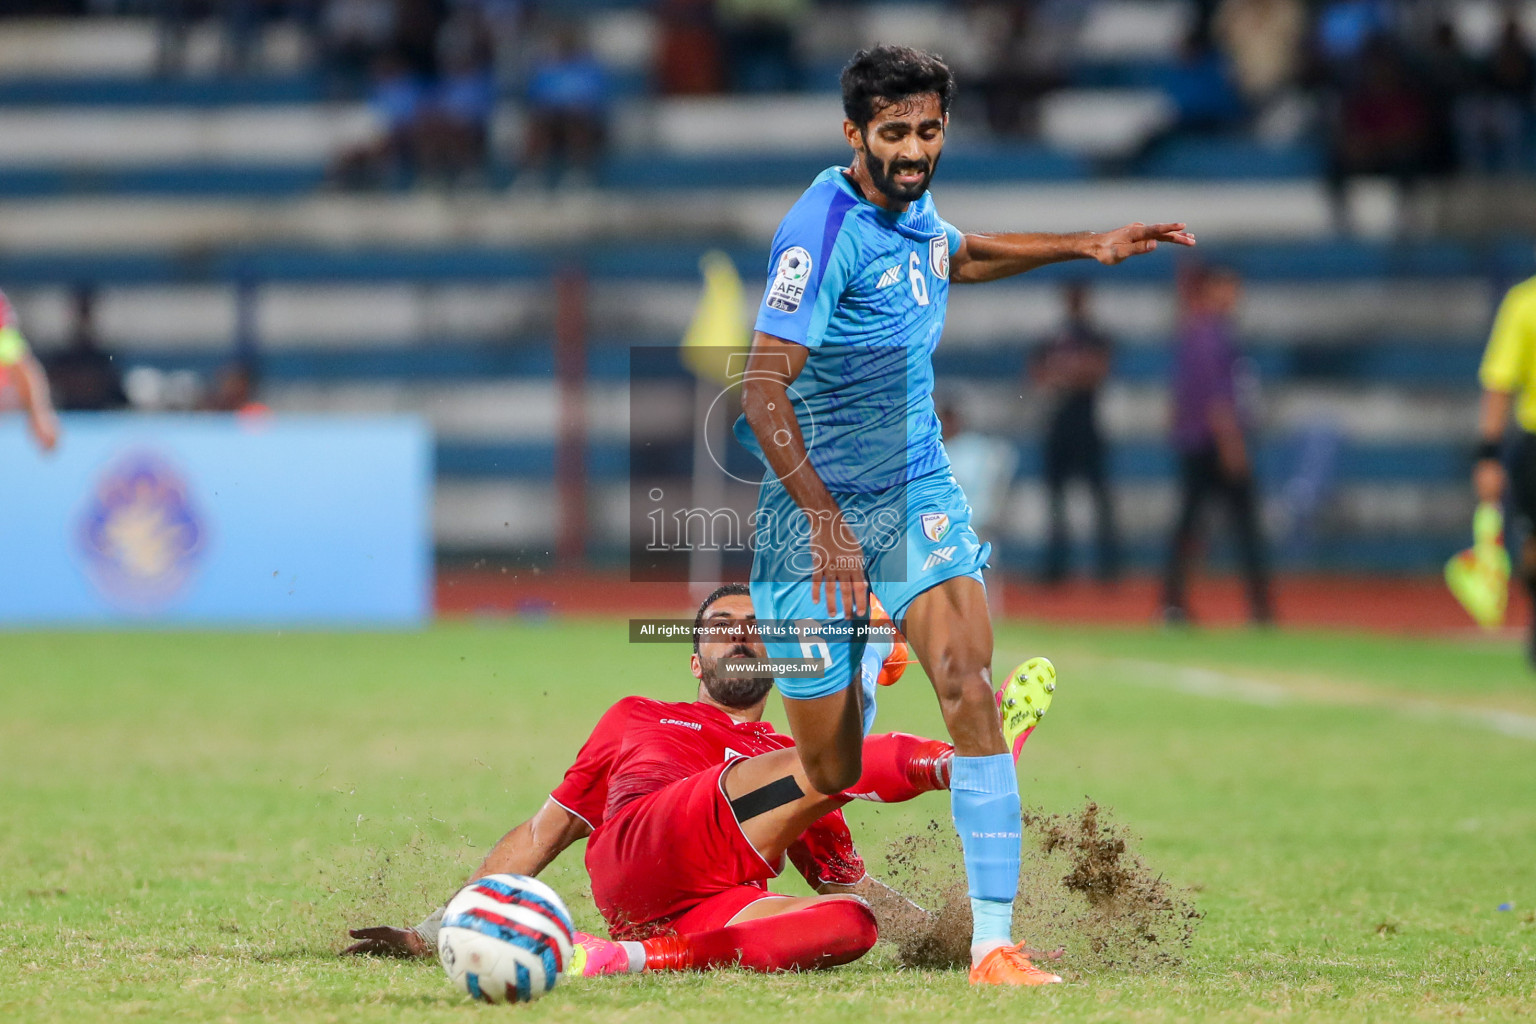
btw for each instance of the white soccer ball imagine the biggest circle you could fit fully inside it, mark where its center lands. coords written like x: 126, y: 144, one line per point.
x: 505, y: 939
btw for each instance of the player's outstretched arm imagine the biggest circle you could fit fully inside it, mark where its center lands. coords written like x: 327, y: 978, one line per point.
x: 838, y: 567
x: 988, y: 257
x: 526, y: 850
x: 32, y: 388
x: 530, y: 847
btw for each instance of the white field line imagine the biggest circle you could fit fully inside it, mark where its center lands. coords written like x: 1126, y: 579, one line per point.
x: 1203, y: 682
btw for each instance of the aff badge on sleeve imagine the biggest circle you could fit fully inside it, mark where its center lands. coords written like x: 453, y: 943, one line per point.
x: 938, y: 256
x: 789, y: 280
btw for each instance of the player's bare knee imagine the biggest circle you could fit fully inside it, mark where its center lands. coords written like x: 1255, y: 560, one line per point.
x: 970, y: 701
x: 970, y: 714
x: 833, y: 773
x: 961, y: 678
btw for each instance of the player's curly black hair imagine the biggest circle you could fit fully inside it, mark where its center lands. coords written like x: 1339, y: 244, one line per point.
x: 728, y: 590
x: 891, y: 73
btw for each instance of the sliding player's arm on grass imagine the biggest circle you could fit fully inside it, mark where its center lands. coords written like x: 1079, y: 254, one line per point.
x: 988, y: 257
x: 831, y: 864
x: 570, y: 814
x: 526, y: 850
x: 894, y: 913
x: 838, y: 560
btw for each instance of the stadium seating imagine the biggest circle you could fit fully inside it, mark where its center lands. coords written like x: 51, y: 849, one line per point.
x: 198, y: 206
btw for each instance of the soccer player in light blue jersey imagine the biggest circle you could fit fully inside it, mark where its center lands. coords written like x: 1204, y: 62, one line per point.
x: 838, y: 403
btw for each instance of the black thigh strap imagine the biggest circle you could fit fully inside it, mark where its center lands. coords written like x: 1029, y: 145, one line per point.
x: 776, y: 794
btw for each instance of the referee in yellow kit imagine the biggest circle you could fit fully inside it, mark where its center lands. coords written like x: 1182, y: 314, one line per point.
x: 1509, y: 369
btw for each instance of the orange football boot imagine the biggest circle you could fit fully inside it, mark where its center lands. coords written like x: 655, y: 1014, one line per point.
x: 895, y: 663
x: 1010, y: 965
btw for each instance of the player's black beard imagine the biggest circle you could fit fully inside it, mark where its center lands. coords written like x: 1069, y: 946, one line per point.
x: 885, y: 177
x: 734, y: 691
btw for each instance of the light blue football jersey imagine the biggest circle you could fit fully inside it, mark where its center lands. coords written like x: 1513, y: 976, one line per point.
x: 865, y: 290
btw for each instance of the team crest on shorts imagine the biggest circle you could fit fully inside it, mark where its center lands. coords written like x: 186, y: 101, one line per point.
x: 789, y: 280
x: 935, y: 525
x: 938, y: 256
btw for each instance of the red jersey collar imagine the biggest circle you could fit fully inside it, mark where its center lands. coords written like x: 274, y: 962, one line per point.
x: 709, y: 710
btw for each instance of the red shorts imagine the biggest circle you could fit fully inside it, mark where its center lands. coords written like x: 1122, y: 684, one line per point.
x: 675, y: 861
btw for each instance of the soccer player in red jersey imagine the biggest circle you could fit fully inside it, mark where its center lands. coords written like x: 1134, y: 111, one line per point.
x: 21, y: 373
x: 691, y: 809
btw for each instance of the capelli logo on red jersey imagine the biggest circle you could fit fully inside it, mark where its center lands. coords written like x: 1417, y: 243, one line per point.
x: 695, y: 726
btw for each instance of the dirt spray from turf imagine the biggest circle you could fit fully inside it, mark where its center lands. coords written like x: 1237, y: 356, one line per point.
x: 1083, y: 891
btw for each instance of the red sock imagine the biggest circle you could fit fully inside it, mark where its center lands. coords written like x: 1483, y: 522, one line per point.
x: 822, y: 935
x: 899, y: 766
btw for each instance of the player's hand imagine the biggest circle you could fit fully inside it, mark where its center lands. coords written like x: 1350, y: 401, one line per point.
x: 1121, y: 244
x: 1488, y: 480
x: 386, y: 941
x: 46, y: 433
x: 838, y: 566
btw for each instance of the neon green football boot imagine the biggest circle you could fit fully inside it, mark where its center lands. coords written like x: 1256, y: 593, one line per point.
x: 1024, y: 700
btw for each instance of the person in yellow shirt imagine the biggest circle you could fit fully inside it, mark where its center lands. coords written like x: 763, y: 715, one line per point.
x: 1508, y: 378
x: 21, y: 373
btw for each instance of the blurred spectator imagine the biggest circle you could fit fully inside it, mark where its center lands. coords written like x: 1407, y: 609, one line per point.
x: 353, y: 35
x: 1261, y: 40
x: 1448, y: 76
x: 235, y: 390
x: 1498, y: 113
x: 452, y: 128
x: 1070, y: 369
x: 1209, y: 427
x: 567, y: 113
x: 1346, y: 27
x: 1384, y: 125
x: 84, y: 377
x: 504, y: 24
x: 397, y: 96
x: 1201, y: 88
x: 417, y: 24
x: 1022, y: 53
x: 689, y: 58
x: 759, y: 37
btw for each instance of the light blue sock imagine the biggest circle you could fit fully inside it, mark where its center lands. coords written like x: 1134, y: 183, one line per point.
x: 984, y: 796
x: 869, y: 679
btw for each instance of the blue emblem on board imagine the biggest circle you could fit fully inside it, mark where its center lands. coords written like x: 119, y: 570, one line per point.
x: 141, y: 535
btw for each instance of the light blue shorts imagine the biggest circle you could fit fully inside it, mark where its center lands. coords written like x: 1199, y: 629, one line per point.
x: 914, y: 536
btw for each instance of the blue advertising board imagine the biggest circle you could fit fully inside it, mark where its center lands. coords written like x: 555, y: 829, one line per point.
x: 216, y: 520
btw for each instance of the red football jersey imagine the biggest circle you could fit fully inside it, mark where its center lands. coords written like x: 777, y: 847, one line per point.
x: 642, y: 745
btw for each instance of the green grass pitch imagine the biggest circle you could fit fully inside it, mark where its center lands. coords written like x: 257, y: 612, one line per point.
x: 189, y: 822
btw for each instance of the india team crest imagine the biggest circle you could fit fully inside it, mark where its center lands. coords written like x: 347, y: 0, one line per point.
x: 938, y: 256
x: 935, y: 525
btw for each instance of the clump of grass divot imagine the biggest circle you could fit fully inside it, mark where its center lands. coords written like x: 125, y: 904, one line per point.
x: 1082, y: 888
